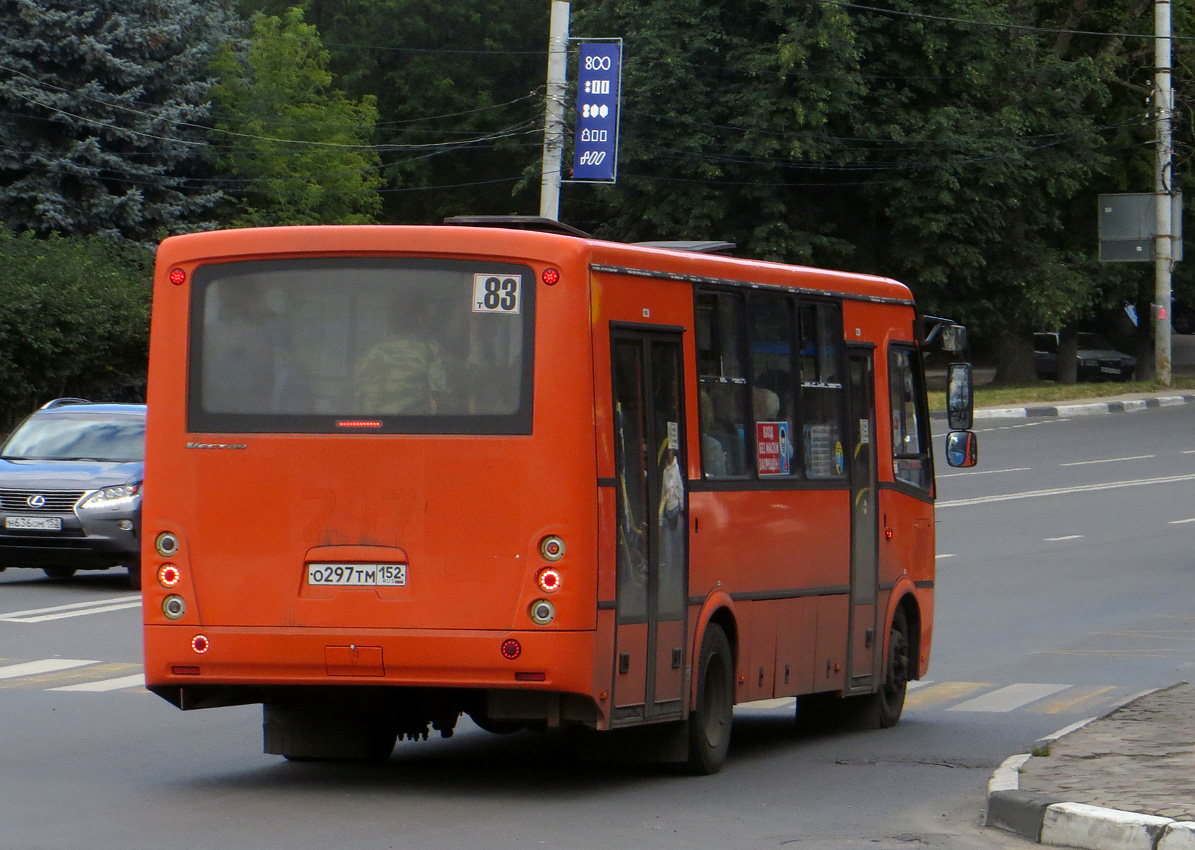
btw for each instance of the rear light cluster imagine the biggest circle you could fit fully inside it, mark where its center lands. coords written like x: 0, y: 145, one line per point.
x: 174, y: 604
x: 548, y: 579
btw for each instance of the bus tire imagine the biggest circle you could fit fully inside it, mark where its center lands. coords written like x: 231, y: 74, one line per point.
x: 883, y: 709
x: 709, y: 724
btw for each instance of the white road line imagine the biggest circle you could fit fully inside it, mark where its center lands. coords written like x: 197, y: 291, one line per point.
x: 46, y: 665
x: 1108, y: 460
x: 1180, y: 521
x: 1065, y: 491
x: 106, y: 684
x: 62, y: 615
x: 1067, y: 537
x: 73, y: 606
x: 1008, y: 698
x: 940, y: 557
x: 985, y: 472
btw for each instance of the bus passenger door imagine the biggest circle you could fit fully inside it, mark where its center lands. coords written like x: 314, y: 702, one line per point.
x: 652, y: 512
x: 865, y: 642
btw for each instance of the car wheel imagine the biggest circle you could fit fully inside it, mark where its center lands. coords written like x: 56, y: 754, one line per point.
x: 59, y: 572
x: 134, y: 576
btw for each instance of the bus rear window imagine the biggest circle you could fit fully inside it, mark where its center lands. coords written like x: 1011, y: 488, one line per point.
x: 402, y: 345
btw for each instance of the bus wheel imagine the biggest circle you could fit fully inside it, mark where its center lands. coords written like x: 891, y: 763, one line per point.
x: 709, y: 725
x: 883, y: 708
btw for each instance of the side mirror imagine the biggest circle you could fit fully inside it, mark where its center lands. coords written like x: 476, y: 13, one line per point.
x: 962, y: 449
x: 960, y: 400
x: 954, y: 338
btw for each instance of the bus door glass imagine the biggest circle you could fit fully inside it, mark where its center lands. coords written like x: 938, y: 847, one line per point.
x: 652, y: 524
x: 864, y: 640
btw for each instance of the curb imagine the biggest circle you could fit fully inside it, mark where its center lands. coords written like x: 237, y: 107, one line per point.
x: 1081, y: 409
x: 1047, y: 820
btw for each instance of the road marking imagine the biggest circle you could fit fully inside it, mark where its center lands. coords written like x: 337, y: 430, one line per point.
x: 944, y: 691
x: 1180, y: 521
x: 1072, y: 699
x: 1108, y: 460
x: 137, y: 680
x: 73, y: 609
x: 985, y: 472
x: 1067, y: 537
x: 939, y: 557
x: 1008, y: 698
x: 1065, y: 491
x: 46, y: 665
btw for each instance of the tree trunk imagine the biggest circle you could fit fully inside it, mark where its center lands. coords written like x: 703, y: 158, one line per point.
x: 1014, y: 360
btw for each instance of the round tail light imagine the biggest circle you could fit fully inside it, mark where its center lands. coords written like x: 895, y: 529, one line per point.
x: 511, y: 649
x: 174, y: 607
x: 551, y: 548
x: 542, y: 612
x: 548, y: 580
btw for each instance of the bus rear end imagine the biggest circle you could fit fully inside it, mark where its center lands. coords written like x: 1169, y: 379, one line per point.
x: 347, y: 516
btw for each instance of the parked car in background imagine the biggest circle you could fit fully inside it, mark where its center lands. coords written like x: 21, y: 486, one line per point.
x: 1097, y: 359
x: 70, y: 489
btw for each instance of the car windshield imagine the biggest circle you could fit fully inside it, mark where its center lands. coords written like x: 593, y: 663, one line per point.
x: 108, y: 437
x: 1094, y: 341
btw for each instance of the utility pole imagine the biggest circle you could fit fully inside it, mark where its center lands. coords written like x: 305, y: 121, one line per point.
x: 549, y: 190
x: 1163, y: 191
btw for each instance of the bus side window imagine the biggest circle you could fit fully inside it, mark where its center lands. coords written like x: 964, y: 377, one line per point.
x: 910, y: 421
x: 722, y: 385
x: 821, y: 389
x: 772, y: 383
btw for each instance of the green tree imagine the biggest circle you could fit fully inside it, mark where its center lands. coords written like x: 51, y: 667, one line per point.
x: 296, y: 149
x: 74, y: 320
x: 724, y: 118
x: 102, y: 107
x: 459, y: 86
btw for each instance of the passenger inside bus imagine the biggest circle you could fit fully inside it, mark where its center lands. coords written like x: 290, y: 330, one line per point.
x: 403, y: 375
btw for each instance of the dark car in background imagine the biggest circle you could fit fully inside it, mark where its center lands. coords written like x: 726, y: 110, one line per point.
x: 1097, y: 359
x: 70, y: 489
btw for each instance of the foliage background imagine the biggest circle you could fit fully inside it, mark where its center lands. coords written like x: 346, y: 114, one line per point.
x: 958, y: 145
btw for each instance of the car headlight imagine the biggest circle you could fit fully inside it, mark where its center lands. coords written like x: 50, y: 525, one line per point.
x: 119, y: 498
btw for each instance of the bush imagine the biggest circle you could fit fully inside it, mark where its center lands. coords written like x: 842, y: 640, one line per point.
x: 74, y: 320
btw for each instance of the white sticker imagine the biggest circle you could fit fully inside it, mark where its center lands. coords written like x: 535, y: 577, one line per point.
x: 674, y: 436
x: 865, y: 431
x: 497, y: 293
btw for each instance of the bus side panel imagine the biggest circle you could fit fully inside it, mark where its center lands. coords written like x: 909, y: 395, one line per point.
x: 799, y: 554
x: 796, y: 635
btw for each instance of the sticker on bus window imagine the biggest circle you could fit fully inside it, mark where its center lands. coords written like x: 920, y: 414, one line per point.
x: 674, y: 436
x: 772, y: 448
x: 497, y: 293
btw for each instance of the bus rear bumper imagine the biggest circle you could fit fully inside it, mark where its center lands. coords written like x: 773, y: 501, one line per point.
x: 254, y: 663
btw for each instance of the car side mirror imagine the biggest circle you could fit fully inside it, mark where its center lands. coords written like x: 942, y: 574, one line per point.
x: 962, y: 449
x: 960, y: 398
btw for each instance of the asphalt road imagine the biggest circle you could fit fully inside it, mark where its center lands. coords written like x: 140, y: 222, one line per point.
x: 1066, y: 568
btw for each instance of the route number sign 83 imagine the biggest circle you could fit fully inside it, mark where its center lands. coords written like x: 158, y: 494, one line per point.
x: 497, y: 293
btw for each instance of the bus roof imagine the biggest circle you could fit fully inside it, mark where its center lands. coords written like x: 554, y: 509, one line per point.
x: 654, y: 260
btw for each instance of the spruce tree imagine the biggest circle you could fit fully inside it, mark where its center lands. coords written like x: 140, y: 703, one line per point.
x: 102, y: 107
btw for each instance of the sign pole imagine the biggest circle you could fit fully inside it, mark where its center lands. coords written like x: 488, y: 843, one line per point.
x: 549, y: 190
x: 1163, y: 187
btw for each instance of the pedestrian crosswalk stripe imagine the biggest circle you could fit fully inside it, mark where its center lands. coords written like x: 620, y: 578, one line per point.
x: 45, y: 665
x: 1008, y: 698
x: 1074, y: 698
x: 944, y: 691
x: 92, y: 671
x: 136, y: 680
x: 71, y: 609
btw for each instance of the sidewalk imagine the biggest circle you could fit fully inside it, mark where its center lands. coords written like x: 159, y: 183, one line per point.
x: 1086, y: 407
x: 1124, y: 781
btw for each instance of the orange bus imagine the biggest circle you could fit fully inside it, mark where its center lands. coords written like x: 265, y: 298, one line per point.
x: 397, y: 474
